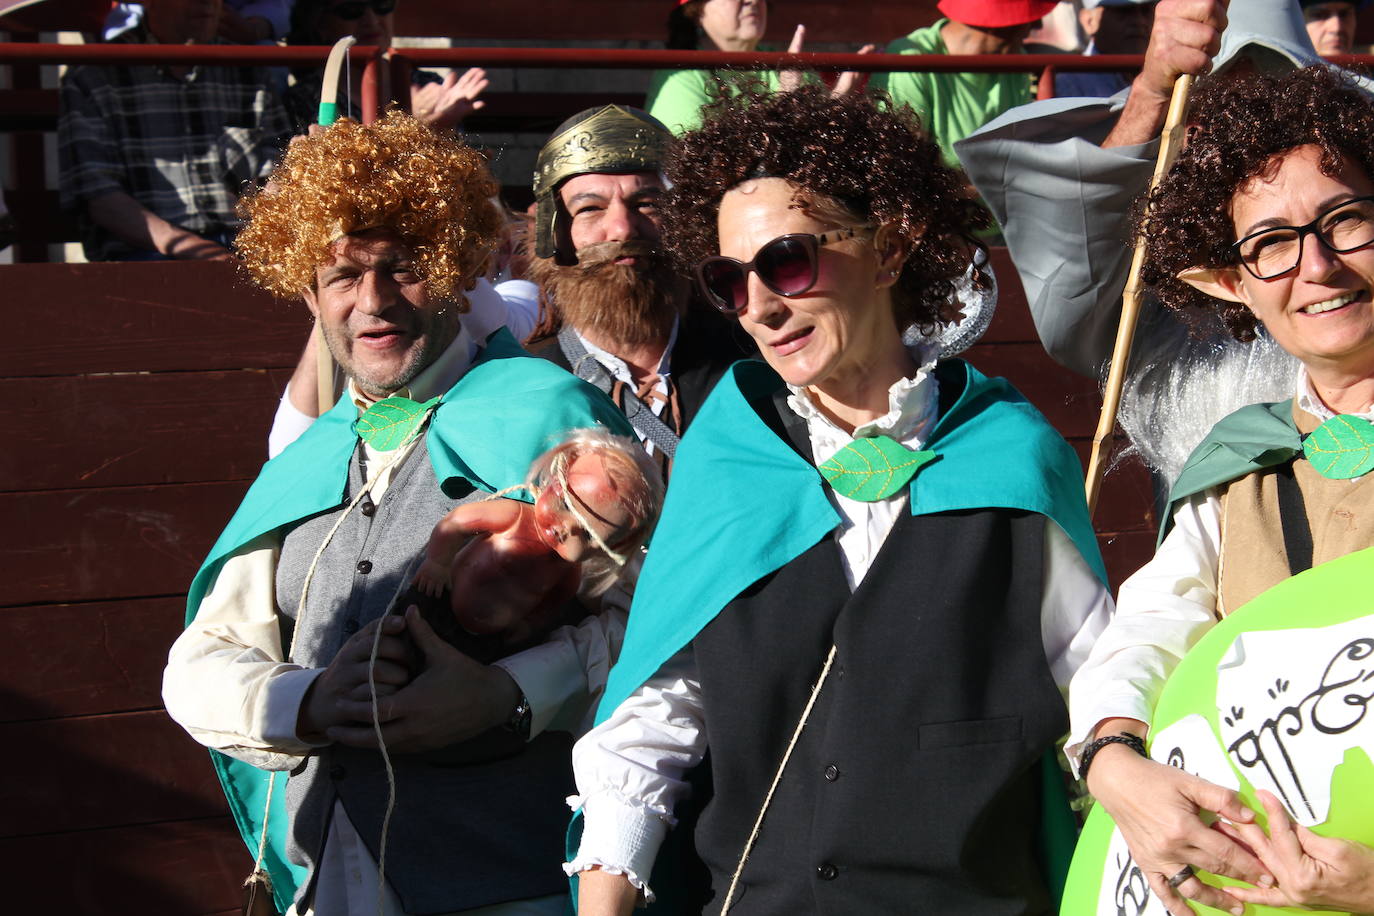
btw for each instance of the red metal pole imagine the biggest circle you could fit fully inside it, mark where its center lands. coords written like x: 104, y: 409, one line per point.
x: 1045, y: 89
x: 602, y: 58
x: 372, y: 89
x: 400, y: 79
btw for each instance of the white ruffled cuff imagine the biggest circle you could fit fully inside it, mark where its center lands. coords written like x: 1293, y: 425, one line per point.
x: 620, y: 835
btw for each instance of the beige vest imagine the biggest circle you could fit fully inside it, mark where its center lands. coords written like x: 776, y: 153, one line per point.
x: 1253, y: 558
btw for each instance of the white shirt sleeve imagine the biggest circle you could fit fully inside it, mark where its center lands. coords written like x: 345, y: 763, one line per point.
x: 564, y: 677
x: 287, y: 425
x: 227, y: 681
x: 1075, y: 606
x: 522, y: 306
x: 1163, y: 610
x: 630, y: 772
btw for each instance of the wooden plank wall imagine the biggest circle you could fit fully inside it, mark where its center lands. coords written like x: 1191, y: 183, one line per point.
x: 142, y: 394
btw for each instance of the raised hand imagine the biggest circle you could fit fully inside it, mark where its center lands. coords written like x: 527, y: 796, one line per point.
x: 851, y: 80
x: 1185, y: 37
x: 445, y: 105
x: 789, y: 80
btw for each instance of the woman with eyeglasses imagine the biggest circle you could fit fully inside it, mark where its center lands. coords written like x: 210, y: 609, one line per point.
x: 874, y: 570
x: 1266, y: 219
x: 440, y: 103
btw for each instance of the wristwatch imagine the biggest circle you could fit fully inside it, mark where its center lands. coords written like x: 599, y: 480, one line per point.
x: 519, y: 721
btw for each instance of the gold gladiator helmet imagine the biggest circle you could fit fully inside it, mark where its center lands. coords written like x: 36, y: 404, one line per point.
x: 611, y: 139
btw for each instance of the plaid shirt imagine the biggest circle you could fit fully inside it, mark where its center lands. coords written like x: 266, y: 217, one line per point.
x: 181, y: 147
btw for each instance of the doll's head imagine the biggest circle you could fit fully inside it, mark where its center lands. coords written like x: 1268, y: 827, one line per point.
x: 597, y: 497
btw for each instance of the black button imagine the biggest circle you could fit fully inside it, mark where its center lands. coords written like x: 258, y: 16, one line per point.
x: 832, y: 773
x: 337, y: 772
x: 350, y: 626
x: 368, y: 508
x: 364, y: 566
x: 827, y: 872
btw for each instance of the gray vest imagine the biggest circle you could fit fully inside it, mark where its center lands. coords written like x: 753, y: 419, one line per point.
x: 463, y: 835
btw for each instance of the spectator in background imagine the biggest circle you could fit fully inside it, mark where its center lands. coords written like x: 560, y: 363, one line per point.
x: 953, y: 105
x: 1331, y: 24
x: 153, y: 158
x: 440, y: 103
x: 1113, y: 27
x: 241, y: 22
x: 676, y: 97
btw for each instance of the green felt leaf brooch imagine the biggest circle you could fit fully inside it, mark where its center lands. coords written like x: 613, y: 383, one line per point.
x: 873, y: 468
x: 1341, y: 448
x: 392, y: 422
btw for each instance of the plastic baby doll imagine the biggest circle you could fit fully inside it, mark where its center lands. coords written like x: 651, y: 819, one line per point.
x: 596, y: 497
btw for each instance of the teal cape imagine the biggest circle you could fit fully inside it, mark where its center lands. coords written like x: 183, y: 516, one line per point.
x: 1251, y: 439
x: 503, y: 413
x: 743, y: 504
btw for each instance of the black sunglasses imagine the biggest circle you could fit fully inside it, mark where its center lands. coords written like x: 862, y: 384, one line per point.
x: 786, y: 265
x: 354, y: 9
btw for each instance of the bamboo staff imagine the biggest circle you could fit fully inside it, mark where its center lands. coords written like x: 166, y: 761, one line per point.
x: 328, y: 114
x: 1169, y: 143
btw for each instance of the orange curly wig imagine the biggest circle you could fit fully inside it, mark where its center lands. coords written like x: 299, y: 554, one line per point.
x: 433, y: 191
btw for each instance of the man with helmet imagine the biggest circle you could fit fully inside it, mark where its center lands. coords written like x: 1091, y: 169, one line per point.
x: 613, y: 311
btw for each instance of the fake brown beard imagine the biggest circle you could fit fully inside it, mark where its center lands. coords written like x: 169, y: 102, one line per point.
x: 621, y: 303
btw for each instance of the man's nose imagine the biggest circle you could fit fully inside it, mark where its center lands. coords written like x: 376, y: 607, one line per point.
x: 376, y: 292
x: 618, y: 224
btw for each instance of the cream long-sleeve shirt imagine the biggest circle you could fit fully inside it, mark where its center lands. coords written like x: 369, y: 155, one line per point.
x: 1162, y: 611
x: 630, y: 769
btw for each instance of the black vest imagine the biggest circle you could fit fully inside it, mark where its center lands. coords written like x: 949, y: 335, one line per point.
x: 914, y: 786
x: 464, y: 834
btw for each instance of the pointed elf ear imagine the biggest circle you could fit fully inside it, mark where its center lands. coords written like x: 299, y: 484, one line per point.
x: 1217, y: 282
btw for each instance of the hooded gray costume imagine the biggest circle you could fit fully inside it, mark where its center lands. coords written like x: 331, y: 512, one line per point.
x: 1063, y: 203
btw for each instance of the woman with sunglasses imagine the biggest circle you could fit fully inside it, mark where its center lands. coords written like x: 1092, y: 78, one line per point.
x: 440, y: 103
x: 1266, y: 219
x: 874, y: 567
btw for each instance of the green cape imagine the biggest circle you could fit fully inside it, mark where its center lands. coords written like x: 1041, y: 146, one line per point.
x: 503, y: 413
x: 733, y: 476
x: 743, y: 504
x: 1255, y: 437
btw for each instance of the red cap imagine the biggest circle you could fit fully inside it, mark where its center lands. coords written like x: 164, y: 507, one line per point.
x: 996, y: 14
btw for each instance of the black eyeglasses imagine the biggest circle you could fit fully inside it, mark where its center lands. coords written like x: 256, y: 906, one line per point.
x: 354, y: 9
x: 1273, y: 252
x: 786, y: 265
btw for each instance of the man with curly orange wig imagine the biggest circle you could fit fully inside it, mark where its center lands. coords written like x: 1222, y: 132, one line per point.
x: 418, y: 777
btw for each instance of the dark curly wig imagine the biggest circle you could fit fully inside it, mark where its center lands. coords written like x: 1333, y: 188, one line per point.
x: 1239, y: 127
x: 849, y: 151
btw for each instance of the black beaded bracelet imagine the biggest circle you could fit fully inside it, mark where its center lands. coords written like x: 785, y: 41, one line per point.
x: 1133, y: 742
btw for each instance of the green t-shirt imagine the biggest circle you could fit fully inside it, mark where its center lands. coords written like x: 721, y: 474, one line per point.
x: 950, y: 105
x: 676, y: 97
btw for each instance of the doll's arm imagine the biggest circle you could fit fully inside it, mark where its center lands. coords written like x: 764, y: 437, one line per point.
x: 487, y: 517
